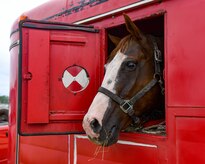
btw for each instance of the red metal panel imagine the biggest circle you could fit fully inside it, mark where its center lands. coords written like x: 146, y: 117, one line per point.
x: 13, y: 102
x: 44, y: 149
x: 74, y: 50
x: 71, y: 11
x: 57, y: 76
x: 185, y: 53
x: 38, y: 69
x: 185, y: 131
x: 190, y: 141
x: 122, y: 152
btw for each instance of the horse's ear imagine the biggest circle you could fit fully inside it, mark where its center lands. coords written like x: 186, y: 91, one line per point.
x: 132, y: 28
x: 114, y: 39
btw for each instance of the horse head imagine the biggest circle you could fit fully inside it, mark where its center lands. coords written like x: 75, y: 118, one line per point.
x: 129, y: 88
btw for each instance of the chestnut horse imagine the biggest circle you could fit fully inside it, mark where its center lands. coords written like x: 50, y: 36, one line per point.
x: 132, y: 86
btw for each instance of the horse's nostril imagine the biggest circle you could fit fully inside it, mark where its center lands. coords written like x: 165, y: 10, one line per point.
x: 94, y: 124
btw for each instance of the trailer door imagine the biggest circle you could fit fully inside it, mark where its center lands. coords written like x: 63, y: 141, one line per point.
x: 60, y: 69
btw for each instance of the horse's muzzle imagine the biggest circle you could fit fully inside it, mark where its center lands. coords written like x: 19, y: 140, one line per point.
x: 106, y: 137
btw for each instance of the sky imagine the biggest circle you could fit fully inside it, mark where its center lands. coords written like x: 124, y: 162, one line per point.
x: 10, y: 10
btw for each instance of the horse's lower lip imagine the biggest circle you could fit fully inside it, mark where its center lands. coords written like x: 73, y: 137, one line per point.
x: 112, y: 136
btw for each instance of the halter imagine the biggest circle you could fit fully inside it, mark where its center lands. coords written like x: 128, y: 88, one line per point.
x: 127, y: 105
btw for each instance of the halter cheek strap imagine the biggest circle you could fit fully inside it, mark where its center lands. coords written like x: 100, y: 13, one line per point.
x: 127, y: 105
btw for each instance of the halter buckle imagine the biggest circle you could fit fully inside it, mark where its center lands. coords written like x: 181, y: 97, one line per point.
x: 127, y: 107
x: 157, y: 55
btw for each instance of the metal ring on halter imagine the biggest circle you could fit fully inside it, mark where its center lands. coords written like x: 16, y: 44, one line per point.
x: 157, y: 76
x: 127, y: 107
x: 158, y: 55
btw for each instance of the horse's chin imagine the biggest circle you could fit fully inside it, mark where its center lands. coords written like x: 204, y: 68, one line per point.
x: 106, y: 139
x: 105, y: 143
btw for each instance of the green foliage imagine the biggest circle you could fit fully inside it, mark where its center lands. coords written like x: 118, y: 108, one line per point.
x: 4, y: 99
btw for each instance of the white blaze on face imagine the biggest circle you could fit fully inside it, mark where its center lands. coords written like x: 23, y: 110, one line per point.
x: 101, y: 101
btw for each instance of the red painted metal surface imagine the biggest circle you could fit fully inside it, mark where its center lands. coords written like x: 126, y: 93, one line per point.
x: 185, y: 55
x: 13, y: 102
x: 38, y: 81
x: 52, y: 149
x: 3, y: 143
x: 61, y: 110
x: 183, y: 30
x: 125, y: 151
x: 187, y: 148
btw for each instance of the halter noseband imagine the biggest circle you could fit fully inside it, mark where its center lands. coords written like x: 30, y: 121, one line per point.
x: 127, y: 105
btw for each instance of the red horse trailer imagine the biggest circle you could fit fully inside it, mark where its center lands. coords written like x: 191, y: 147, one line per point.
x: 58, y: 51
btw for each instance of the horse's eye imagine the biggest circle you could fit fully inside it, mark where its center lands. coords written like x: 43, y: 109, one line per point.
x: 131, y: 66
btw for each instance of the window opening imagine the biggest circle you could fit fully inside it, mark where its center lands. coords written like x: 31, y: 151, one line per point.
x: 154, y: 121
